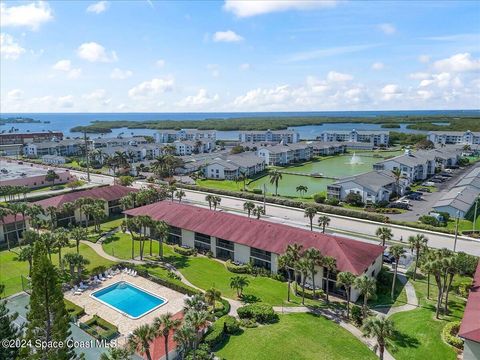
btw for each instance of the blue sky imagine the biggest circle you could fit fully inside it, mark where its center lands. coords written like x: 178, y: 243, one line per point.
x: 149, y: 56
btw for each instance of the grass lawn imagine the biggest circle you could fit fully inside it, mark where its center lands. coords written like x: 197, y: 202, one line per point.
x: 296, y: 336
x: 221, y: 184
x: 420, y: 333
x: 205, y: 273
x: 384, y: 289
x: 11, y: 269
x: 109, y: 225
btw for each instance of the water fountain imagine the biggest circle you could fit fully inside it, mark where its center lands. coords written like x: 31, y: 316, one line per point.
x: 355, y: 160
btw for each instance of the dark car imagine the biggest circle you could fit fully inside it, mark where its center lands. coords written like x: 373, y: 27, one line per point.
x: 436, y: 180
x: 399, y: 205
x: 387, y: 258
x: 424, y: 190
x: 414, y: 196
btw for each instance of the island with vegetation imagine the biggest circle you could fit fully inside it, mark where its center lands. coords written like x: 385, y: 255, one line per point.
x: 18, y: 120
x: 283, y: 122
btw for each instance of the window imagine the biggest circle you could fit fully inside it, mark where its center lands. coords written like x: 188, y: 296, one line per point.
x: 225, y: 244
x: 260, y: 254
x: 260, y: 263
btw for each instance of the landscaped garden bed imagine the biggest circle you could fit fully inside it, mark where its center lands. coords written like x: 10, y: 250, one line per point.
x: 99, y: 328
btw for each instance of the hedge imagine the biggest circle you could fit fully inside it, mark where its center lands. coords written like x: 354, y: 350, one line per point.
x: 238, y: 269
x: 73, y: 310
x: 450, y: 336
x: 261, y: 313
x: 108, y: 332
x: 183, y: 251
x: 224, y: 311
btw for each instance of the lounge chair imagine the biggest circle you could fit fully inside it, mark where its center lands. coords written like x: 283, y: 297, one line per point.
x: 125, y: 270
x: 129, y: 272
x: 134, y: 273
x: 83, y: 286
x: 76, y: 291
x: 100, y: 276
x: 96, y: 280
x: 107, y: 274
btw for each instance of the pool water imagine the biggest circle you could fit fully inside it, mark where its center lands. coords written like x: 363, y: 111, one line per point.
x: 129, y: 299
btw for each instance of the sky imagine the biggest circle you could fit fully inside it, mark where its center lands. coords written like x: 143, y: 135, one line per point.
x: 235, y: 56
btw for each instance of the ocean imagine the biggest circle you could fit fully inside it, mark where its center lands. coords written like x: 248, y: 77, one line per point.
x: 65, y: 121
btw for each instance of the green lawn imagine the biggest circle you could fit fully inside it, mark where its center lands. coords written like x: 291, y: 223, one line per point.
x: 420, y: 333
x: 384, y: 291
x: 205, y: 273
x: 296, y: 336
x: 221, y: 184
x: 11, y: 269
x: 109, y: 225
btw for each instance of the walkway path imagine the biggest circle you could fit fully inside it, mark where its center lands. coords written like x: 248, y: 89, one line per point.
x: 97, y: 247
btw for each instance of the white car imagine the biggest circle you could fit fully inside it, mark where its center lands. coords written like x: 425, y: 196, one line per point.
x: 428, y: 183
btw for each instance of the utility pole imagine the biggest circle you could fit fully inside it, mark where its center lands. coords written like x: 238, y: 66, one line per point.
x: 264, y: 199
x: 456, y: 232
x: 475, y: 214
x: 87, y: 160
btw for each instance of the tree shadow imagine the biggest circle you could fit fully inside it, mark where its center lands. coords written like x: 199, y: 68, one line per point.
x: 405, y: 340
x: 249, y: 299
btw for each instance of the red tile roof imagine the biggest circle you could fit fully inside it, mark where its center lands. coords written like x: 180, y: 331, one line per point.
x: 351, y: 255
x: 107, y: 193
x: 470, y: 328
x: 10, y: 219
x: 157, y: 346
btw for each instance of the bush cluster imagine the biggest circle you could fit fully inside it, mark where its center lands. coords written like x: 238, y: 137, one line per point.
x: 357, y: 315
x: 221, y: 329
x: 108, y: 331
x: 261, y: 313
x: 450, y: 336
x: 238, y: 269
x: 183, y: 251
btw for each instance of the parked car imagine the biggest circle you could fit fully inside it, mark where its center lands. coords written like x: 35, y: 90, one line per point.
x: 446, y: 175
x: 414, y: 196
x: 388, y: 258
x: 435, y: 180
x: 428, y: 183
x: 424, y: 190
x: 399, y: 205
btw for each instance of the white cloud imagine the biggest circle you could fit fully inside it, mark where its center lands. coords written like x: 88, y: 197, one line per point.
x: 425, y: 94
x: 424, y: 58
x: 98, y: 7
x: 95, y: 52
x: 245, y: 66
x: 65, y: 101
x: 226, y: 36
x: 98, y: 96
x: 31, y: 15
x: 336, y: 76
x: 387, y: 29
x: 441, y: 80
x: 151, y: 88
x: 391, y: 91
x: 9, y: 49
x: 378, y: 66
x: 15, y: 95
x: 200, y: 99
x: 66, y: 66
x: 326, y: 52
x: 160, y: 63
x: 252, y: 8
x: 419, y: 75
x: 119, y: 74
x: 458, y: 63
x: 214, y: 70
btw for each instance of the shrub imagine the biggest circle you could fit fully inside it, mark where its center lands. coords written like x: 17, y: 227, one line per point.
x: 381, y: 204
x: 332, y: 201
x: 354, y: 199
x: 429, y: 220
x: 202, y: 353
x: 248, y: 323
x: 224, y: 310
x: 237, y: 269
x: 357, y: 316
x: 183, y: 251
x: 231, y: 325
x: 450, y: 336
x: 100, y: 328
x: 257, y: 191
x: 467, y: 263
x: 261, y: 313
x: 126, y: 180
x: 224, y: 326
x: 463, y: 288
x: 73, y: 310
x: 319, y: 198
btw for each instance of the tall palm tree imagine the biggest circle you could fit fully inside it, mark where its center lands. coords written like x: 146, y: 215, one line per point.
x: 310, y: 212
x: 295, y: 251
x: 243, y: 177
x: 4, y: 212
x: 15, y: 210
x: 384, y: 234
x: 198, y: 320
x: 49, y: 240
x: 209, y: 199
x: 285, y: 262
x: 61, y: 240
x: 141, y: 338
x: 34, y: 212
x: 194, y: 303
x: 314, y: 258
x: 78, y: 234
x: 367, y: 287
x: 216, y: 201
x: 162, y: 230
x: 418, y: 243
x: 52, y: 216
x: 303, y: 266
x: 275, y: 177
x: 248, y: 206
x: 117, y: 353
x: 163, y: 326
x: 26, y: 254
x: 185, y: 336
x: 397, y: 251
x: 258, y: 211
x: 323, y: 221
x: 180, y: 194
x: 346, y: 279
x: 397, y: 175
x: 239, y: 283
x: 69, y: 209
x: 211, y: 296
x: 380, y: 328
x: 22, y: 208
x: 302, y: 189
x: 330, y: 265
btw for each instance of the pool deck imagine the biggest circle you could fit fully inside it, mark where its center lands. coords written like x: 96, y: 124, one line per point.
x: 124, y: 323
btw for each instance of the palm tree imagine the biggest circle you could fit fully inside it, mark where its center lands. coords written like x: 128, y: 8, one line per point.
x: 329, y: 264
x: 323, y: 221
x: 70, y: 259
x: 163, y: 326
x: 248, y: 206
x: 209, y: 199
x: 346, y: 279
x: 180, y: 194
x: 216, y: 201
x: 15, y: 210
x: 381, y: 329
x: 198, y: 320
x: 69, y: 209
x: 418, y: 243
x: 61, y: 240
x: 162, y: 230
x: 314, y: 258
x: 384, y: 234
x: 185, y: 336
x: 275, y: 177
x: 397, y: 175
x: 116, y: 353
x: 140, y: 340
x: 285, y: 262
x: 34, y: 212
x: 397, y: 251
x: 52, y: 216
x: 78, y: 234
x: 26, y: 254
x: 171, y: 190
x: 295, y: 252
x: 302, y: 189
x: 243, y: 177
x: 211, y: 296
x: 303, y: 266
x: 49, y: 240
x: 4, y: 212
x: 194, y: 303
x: 453, y: 267
x: 22, y: 208
x: 310, y: 212
x: 258, y: 211
x: 239, y: 283
x: 367, y: 287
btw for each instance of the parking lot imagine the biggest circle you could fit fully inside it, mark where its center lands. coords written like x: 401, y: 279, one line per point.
x: 424, y: 206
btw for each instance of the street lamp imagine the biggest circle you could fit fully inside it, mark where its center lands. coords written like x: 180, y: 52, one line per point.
x: 456, y: 231
x: 475, y: 214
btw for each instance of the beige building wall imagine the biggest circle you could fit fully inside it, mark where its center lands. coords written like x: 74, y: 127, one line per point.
x: 471, y: 350
x: 242, y: 253
x: 188, y: 238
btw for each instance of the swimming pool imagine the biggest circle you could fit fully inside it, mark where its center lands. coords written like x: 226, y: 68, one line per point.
x: 129, y: 299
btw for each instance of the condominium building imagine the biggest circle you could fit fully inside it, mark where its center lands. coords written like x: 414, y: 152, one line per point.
x: 246, y: 240
x: 24, y: 138
x: 414, y: 166
x: 67, y: 147
x: 287, y: 136
x: 284, y: 154
x: 454, y: 137
x: 166, y: 136
x: 231, y: 167
x: 470, y: 327
x: 376, y: 138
